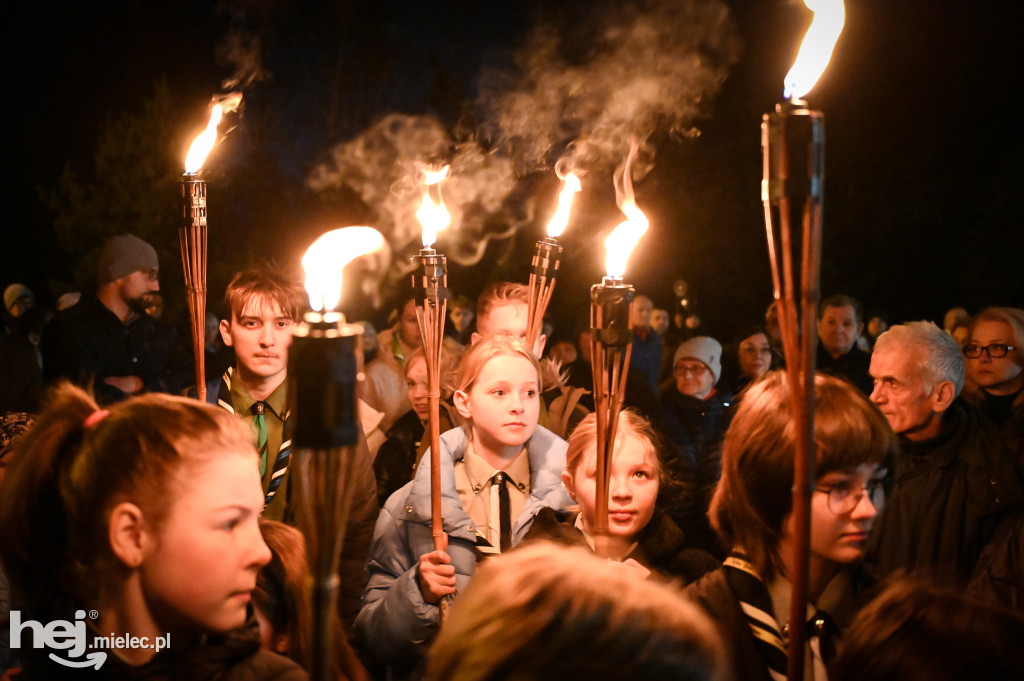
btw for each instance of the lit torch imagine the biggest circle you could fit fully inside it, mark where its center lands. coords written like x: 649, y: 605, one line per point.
x: 546, y: 259
x: 192, y: 233
x: 612, y: 341
x: 324, y: 364
x: 792, y: 190
x: 429, y: 285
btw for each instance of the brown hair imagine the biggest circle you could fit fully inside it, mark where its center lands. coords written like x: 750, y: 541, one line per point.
x: 546, y: 612
x: 584, y: 438
x: 65, y: 479
x: 920, y: 630
x: 283, y: 596
x: 264, y: 284
x: 754, y: 497
x: 498, y: 294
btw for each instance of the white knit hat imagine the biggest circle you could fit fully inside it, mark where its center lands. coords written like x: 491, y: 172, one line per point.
x: 703, y: 349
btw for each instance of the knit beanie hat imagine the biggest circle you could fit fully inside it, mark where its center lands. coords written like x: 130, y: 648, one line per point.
x: 703, y: 349
x: 14, y: 293
x: 123, y: 255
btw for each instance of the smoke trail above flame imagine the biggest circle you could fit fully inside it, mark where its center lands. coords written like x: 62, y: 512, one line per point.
x: 647, y: 66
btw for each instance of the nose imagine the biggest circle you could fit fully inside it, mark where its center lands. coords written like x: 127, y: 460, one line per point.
x: 260, y: 551
x: 865, y: 508
x: 876, y: 394
x: 618, y: 488
x: 266, y: 336
x: 516, y: 405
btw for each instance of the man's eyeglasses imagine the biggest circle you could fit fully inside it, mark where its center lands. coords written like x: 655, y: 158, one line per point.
x: 845, y: 496
x: 994, y: 350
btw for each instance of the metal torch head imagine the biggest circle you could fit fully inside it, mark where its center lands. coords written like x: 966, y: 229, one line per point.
x: 193, y: 194
x: 793, y: 152
x: 430, y: 281
x: 324, y: 364
x: 609, y: 312
x: 547, y: 258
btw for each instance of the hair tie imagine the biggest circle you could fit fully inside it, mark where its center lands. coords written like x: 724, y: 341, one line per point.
x: 94, y: 418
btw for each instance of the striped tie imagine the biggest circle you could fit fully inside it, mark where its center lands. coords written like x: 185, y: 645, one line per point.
x: 753, y: 596
x: 281, y: 462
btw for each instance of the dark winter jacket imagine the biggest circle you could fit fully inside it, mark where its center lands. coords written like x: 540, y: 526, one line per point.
x: 949, y: 495
x: 853, y: 366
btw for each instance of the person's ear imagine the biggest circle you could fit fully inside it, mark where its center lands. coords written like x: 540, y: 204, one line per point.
x: 282, y: 642
x: 567, y: 483
x: 860, y: 329
x: 461, y: 400
x: 225, y: 332
x: 475, y: 338
x: 127, y: 535
x: 943, y: 396
x: 538, y: 347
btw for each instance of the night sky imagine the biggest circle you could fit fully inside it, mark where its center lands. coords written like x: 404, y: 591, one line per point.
x: 923, y: 153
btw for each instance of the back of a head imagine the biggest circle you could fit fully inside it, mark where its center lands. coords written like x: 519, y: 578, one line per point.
x: 915, y: 631
x: 550, y: 613
x: 754, y: 494
x: 282, y: 589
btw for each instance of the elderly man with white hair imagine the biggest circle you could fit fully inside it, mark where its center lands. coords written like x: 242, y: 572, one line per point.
x: 953, y: 481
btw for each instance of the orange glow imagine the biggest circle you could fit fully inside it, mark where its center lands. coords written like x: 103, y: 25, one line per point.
x: 816, y: 49
x: 326, y: 258
x: 570, y: 187
x: 624, y: 238
x: 202, y: 145
x: 432, y: 213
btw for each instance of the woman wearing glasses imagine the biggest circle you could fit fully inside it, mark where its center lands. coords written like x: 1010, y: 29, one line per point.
x: 995, y: 371
x: 752, y: 512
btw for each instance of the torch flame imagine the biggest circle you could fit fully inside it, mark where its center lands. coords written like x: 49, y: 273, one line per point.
x: 327, y: 257
x: 626, y: 235
x: 816, y: 49
x: 202, y: 145
x: 570, y: 186
x: 432, y: 214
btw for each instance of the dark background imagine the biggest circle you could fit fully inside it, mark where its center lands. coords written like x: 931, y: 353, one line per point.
x: 924, y: 177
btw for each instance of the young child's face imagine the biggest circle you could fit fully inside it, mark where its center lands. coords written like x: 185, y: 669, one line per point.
x: 632, y: 489
x: 503, y: 404
x: 260, y: 336
x: 200, y: 570
x: 416, y: 387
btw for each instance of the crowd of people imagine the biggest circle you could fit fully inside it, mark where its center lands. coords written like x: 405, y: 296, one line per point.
x: 130, y: 510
